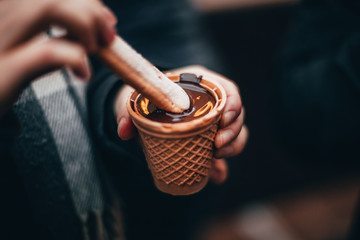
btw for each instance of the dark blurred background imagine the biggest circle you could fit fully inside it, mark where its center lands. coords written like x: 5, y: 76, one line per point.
x: 295, y: 199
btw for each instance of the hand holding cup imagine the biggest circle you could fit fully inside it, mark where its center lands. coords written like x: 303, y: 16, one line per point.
x: 231, y: 136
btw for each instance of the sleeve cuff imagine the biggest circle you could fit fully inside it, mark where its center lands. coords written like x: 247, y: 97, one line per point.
x: 103, y: 121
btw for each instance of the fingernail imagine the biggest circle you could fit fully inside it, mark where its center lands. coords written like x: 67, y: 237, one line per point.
x: 110, y: 16
x: 228, y: 117
x: 120, y: 126
x: 226, y: 136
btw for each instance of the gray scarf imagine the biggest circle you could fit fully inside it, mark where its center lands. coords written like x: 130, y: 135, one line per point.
x: 65, y: 182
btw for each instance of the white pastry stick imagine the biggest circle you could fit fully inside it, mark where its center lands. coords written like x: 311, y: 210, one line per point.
x: 136, y: 71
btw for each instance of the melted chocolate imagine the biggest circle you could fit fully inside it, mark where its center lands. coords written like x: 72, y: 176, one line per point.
x: 201, y: 102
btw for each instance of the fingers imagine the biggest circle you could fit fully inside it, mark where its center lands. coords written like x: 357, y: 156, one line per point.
x: 58, y: 53
x: 89, y: 22
x: 126, y: 129
x: 233, y: 103
x: 230, y: 132
x: 219, y: 171
x: 234, y: 147
x: 33, y: 59
x: 94, y: 27
x: 232, y: 135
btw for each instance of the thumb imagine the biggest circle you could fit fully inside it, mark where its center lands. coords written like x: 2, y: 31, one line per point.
x: 126, y: 128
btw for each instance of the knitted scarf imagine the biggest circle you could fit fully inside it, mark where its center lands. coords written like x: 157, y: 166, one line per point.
x: 65, y: 182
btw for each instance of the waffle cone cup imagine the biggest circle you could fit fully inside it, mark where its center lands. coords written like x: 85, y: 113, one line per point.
x: 179, y: 155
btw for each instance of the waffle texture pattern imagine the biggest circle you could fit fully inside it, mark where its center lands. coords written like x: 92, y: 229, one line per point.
x: 181, y: 160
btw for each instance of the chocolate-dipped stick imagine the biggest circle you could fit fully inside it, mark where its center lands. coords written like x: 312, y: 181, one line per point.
x: 136, y: 71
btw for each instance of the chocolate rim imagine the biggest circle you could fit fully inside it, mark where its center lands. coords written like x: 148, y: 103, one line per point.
x: 193, y: 127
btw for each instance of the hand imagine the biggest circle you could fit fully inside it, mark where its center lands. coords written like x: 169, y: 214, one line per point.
x: 231, y: 137
x: 23, y: 56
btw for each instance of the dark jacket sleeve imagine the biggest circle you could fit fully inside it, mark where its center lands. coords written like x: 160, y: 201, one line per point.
x: 101, y: 94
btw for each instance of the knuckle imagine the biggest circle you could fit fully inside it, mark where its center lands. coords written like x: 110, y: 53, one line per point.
x: 236, y: 107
